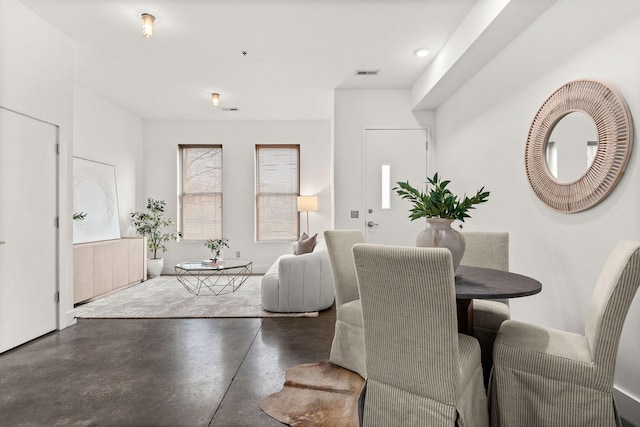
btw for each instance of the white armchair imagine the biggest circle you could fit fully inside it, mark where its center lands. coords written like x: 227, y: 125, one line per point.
x: 299, y: 283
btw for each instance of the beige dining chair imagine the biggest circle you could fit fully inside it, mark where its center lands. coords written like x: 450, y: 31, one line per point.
x: 347, y: 349
x: 488, y: 250
x: 546, y: 377
x: 420, y: 371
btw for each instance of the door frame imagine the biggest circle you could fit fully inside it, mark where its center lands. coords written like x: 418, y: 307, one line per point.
x: 363, y: 159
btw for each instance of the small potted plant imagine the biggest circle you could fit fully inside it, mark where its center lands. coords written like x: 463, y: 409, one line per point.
x: 215, y: 246
x: 151, y: 225
x: 440, y: 207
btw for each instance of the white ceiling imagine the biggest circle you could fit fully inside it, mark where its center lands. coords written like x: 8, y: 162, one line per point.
x: 298, y: 51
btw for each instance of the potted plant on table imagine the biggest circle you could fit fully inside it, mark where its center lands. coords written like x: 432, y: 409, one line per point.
x: 215, y: 246
x: 151, y: 225
x: 440, y: 207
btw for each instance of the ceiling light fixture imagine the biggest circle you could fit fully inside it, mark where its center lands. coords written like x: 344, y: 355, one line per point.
x: 215, y: 99
x: 421, y: 53
x: 147, y: 24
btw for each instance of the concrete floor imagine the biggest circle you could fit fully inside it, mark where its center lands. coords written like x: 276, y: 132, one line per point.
x: 157, y: 372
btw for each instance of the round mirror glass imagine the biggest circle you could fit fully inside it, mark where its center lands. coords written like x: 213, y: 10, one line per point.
x: 572, y: 146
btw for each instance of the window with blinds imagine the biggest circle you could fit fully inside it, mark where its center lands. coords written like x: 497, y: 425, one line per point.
x: 277, y: 189
x: 200, y: 192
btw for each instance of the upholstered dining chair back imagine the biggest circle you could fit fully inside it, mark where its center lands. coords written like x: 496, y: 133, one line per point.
x: 339, y: 244
x: 487, y: 249
x: 616, y: 286
x: 556, y: 378
x: 420, y: 370
x: 347, y: 348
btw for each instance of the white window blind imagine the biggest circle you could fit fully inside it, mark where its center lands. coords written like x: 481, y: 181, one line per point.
x: 277, y: 189
x: 200, y: 191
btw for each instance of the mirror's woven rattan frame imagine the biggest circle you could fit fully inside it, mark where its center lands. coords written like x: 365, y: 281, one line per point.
x: 611, y: 116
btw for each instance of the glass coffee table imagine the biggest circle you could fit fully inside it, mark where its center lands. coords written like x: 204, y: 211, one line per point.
x: 223, y: 278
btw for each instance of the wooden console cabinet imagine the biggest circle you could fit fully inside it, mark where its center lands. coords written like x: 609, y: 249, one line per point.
x: 101, y: 267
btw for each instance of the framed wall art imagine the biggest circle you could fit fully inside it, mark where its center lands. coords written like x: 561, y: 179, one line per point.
x: 95, y: 194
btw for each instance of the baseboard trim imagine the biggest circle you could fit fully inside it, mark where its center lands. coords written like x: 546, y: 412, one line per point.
x: 628, y: 406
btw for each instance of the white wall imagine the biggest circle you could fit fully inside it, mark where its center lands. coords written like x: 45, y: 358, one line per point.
x: 104, y: 132
x: 481, y: 133
x: 356, y: 110
x: 238, y: 139
x: 36, y: 79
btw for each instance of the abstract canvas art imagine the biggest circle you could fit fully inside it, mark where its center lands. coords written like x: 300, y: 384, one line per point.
x: 94, y: 193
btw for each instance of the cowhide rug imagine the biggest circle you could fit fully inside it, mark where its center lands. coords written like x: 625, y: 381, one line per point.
x: 316, y: 394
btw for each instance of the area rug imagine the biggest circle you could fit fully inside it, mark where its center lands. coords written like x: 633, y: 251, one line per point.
x: 316, y: 394
x: 165, y: 298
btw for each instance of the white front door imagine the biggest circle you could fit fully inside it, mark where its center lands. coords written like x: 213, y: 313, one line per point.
x: 28, y: 231
x: 392, y: 155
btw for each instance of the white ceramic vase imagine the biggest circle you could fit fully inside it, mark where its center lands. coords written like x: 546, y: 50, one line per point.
x: 154, y: 267
x: 439, y: 234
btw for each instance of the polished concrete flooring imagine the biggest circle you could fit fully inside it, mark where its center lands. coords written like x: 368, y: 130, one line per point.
x: 157, y: 372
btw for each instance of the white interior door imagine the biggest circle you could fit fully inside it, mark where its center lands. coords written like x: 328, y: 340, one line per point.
x: 403, y: 153
x: 28, y: 231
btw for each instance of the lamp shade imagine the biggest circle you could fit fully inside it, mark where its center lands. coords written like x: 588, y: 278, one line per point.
x: 307, y: 203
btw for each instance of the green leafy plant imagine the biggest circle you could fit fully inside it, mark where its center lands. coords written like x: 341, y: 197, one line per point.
x: 216, y: 245
x: 79, y: 216
x: 439, y: 201
x: 151, y: 225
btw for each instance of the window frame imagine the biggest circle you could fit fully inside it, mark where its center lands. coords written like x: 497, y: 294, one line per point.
x: 257, y: 193
x: 181, y: 192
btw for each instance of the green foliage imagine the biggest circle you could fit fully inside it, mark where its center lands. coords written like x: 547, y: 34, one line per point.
x: 439, y: 202
x: 216, y: 245
x: 79, y: 216
x: 151, y: 226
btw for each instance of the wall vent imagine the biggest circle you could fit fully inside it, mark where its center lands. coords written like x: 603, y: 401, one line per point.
x: 367, y: 72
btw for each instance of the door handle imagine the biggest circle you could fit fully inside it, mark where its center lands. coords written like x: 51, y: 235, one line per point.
x: 371, y: 224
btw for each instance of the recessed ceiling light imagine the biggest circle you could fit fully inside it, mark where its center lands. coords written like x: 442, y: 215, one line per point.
x: 421, y: 53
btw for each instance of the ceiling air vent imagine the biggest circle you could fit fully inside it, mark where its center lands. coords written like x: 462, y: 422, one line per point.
x: 366, y: 72
x: 229, y: 109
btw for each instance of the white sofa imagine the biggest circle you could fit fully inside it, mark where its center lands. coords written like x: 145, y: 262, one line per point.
x: 299, y: 283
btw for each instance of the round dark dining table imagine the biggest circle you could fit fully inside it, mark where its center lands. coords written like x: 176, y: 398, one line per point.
x: 486, y: 283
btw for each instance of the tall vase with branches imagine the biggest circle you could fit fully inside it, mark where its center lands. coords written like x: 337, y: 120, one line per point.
x: 440, y: 207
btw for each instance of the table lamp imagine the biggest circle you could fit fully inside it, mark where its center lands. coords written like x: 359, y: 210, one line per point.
x: 307, y: 204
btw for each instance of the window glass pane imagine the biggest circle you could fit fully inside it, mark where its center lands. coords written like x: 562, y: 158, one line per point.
x: 201, y: 192
x: 201, y: 216
x: 277, y: 217
x: 277, y: 187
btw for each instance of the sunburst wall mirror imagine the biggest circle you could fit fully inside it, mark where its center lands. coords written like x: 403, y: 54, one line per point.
x: 578, y: 145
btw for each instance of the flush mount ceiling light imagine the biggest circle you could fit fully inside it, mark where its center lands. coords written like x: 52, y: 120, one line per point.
x: 215, y: 99
x: 147, y: 24
x: 421, y: 53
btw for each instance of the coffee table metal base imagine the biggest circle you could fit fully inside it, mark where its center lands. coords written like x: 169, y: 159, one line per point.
x: 200, y: 280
